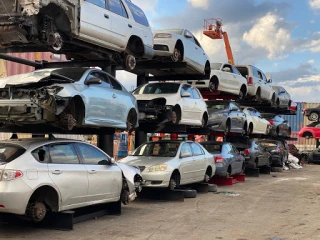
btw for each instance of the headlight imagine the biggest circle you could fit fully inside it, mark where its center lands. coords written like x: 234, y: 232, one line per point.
x: 155, y: 168
x: 220, y: 115
x: 163, y: 35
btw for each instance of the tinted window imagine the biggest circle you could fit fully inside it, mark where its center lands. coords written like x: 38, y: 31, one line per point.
x: 100, y: 3
x: 63, y: 154
x: 212, y: 148
x: 9, y: 152
x: 117, y: 7
x: 115, y: 84
x: 138, y: 14
x: 196, y: 149
x: 234, y: 106
x: 157, y: 88
x: 196, y: 95
x: 41, y: 154
x: 90, y: 154
x: 234, y: 149
x: 186, y: 148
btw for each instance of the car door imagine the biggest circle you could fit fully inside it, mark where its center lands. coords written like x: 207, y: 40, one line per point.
x: 101, y: 104
x: 238, y: 115
x: 202, y: 56
x: 95, y: 25
x: 200, y: 106
x: 228, y: 77
x: 68, y: 174
x: 237, y: 159
x: 105, y: 179
x: 191, y: 52
x: 187, y: 169
x: 267, y: 89
x: 188, y: 104
x: 199, y: 161
x: 121, y: 25
x: 238, y: 77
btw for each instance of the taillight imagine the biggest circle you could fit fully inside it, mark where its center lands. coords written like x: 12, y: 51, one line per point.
x: 8, y: 175
x: 250, y: 80
x: 271, y: 122
x: 218, y: 159
x: 2, y: 206
x: 246, y: 152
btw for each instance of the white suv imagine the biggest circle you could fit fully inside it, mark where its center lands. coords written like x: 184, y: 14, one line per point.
x: 91, y: 29
x: 258, y: 85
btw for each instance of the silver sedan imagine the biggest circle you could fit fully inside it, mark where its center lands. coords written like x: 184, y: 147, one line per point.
x: 67, y: 97
x: 170, y: 164
x: 40, y: 175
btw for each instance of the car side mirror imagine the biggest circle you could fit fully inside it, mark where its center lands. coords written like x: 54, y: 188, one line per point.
x: 185, y: 94
x: 112, y: 161
x: 269, y: 80
x: 92, y: 81
x: 185, y: 155
x: 188, y: 35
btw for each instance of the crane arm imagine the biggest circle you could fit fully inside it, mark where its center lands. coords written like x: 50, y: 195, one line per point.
x: 228, y: 48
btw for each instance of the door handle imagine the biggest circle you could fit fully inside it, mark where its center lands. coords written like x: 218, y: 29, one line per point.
x: 114, y: 96
x: 106, y: 16
x: 92, y: 171
x: 56, y: 172
x: 129, y: 25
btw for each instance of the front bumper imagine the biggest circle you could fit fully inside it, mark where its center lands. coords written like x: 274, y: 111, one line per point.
x: 216, y: 125
x: 151, y: 113
x: 158, y: 179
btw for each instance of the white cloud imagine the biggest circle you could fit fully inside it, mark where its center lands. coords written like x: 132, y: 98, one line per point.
x: 269, y: 35
x: 312, y: 21
x: 314, y: 45
x: 199, y: 3
x: 311, y: 61
x: 315, y: 4
x: 276, y: 64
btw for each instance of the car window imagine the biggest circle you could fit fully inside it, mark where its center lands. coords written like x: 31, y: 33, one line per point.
x: 227, y: 68
x: 116, y: 6
x: 256, y: 73
x: 196, y: 149
x: 41, y: 154
x: 115, y: 84
x: 197, y: 42
x: 138, y: 14
x: 195, y: 93
x: 157, y: 88
x: 9, y: 152
x: 217, y: 105
x: 100, y: 3
x: 185, y: 149
x: 63, y: 154
x: 264, y: 78
x: 226, y: 148
x: 212, y: 147
x: 233, y: 105
x: 90, y: 154
x: 234, y: 149
x: 186, y: 88
x: 105, y: 81
x: 235, y: 70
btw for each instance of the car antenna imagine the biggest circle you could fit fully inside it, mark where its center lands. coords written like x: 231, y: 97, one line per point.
x: 14, y: 136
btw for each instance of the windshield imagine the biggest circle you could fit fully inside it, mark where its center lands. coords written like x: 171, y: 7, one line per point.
x: 216, y: 66
x: 156, y: 149
x: 158, y: 88
x: 212, y: 147
x: 9, y: 152
x: 217, y: 105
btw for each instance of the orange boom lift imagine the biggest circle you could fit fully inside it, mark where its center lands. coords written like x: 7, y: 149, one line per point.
x: 213, y: 29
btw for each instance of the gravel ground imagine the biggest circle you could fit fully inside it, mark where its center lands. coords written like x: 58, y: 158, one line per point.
x: 277, y: 206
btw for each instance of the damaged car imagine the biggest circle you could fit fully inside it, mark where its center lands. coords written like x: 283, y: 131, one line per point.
x: 42, y: 175
x: 66, y: 98
x: 171, y: 102
x: 115, y: 30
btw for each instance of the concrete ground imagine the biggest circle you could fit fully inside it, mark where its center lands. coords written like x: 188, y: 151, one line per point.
x: 276, y: 206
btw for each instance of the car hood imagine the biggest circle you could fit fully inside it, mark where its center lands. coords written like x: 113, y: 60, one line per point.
x: 129, y: 172
x: 171, y: 99
x: 144, y: 161
x: 216, y: 111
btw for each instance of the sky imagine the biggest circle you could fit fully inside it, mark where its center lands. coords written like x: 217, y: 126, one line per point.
x: 282, y: 38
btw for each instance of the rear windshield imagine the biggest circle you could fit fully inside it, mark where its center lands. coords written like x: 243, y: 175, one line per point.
x: 217, y: 105
x: 243, y: 71
x: 157, y: 88
x: 9, y: 152
x: 211, y: 148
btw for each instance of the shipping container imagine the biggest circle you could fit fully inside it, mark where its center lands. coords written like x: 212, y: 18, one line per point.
x: 296, y: 121
x: 17, y: 68
x: 303, y: 143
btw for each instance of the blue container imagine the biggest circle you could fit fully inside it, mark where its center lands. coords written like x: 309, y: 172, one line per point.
x: 122, y: 153
x: 296, y: 121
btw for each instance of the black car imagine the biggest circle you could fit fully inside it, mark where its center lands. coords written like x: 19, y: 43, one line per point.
x: 279, y: 126
x: 226, y: 116
x: 312, y: 113
x: 283, y: 98
x: 278, y: 149
x: 255, y: 154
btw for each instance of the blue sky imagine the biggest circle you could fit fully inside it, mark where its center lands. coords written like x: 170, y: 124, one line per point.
x: 279, y: 37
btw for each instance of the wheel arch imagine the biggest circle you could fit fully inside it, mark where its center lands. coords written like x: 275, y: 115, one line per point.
x: 209, y: 170
x: 49, y: 194
x: 135, y: 45
x: 207, y: 68
x: 179, y: 44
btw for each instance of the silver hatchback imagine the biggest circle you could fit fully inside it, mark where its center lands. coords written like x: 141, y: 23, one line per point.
x: 40, y: 175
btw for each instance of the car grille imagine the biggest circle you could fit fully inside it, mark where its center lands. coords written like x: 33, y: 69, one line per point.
x: 141, y: 168
x: 144, y: 106
x: 160, y: 47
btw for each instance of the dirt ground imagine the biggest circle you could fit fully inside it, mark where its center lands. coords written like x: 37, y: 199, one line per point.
x: 276, y: 206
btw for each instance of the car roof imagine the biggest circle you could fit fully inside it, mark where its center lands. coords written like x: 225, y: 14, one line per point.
x: 27, y: 142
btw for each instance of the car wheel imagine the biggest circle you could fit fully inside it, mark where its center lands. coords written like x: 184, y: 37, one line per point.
x: 176, y: 56
x: 242, y: 93
x: 174, y: 181
x: 129, y: 62
x: 175, y: 115
x: 207, y: 176
x: 227, y: 129
x: 314, y: 117
x: 303, y: 159
x: 307, y: 135
x: 203, y: 122
x: 213, y: 84
x: 243, y: 168
x: 257, y: 97
x: 131, y: 121
x: 229, y: 171
x: 250, y: 129
x: 36, y: 211
x: 289, y: 132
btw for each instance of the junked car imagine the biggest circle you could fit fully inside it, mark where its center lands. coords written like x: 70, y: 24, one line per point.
x: 67, y: 98
x: 312, y: 130
x: 227, y: 158
x: 259, y: 88
x: 283, y: 98
x: 174, y: 102
x: 170, y: 164
x: 224, y: 78
x: 256, y: 124
x: 115, y: 30
x: 278, y: 149
x: 313, y: 114
x: 180, y: 45
x: 279, y: 126
x: 226, y: 116
x: 40, y: 175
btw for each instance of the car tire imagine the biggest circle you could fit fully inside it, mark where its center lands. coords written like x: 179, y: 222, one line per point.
x: 242, y: 93
x: 129, y: 62
x: 307, y: 135
x: 243, y: 168
x: 132, y: 119
x: 250, y: 129
x: 212, y: 188
x: 257, y: 96
x: 203, y: 121
x: 314, y: 117
x: 175, y: 116
x: 174, y: 181
x: 213, y: 84
x: 188, y: 193
x: 36, y: 211
x: 176, y: 55
x: 278, y: 103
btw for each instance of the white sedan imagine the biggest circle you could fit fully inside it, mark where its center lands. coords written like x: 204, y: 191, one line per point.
x: 256, y: 124
x: 176, y: 102
x: 224, y: 78
x: 180, y: 45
